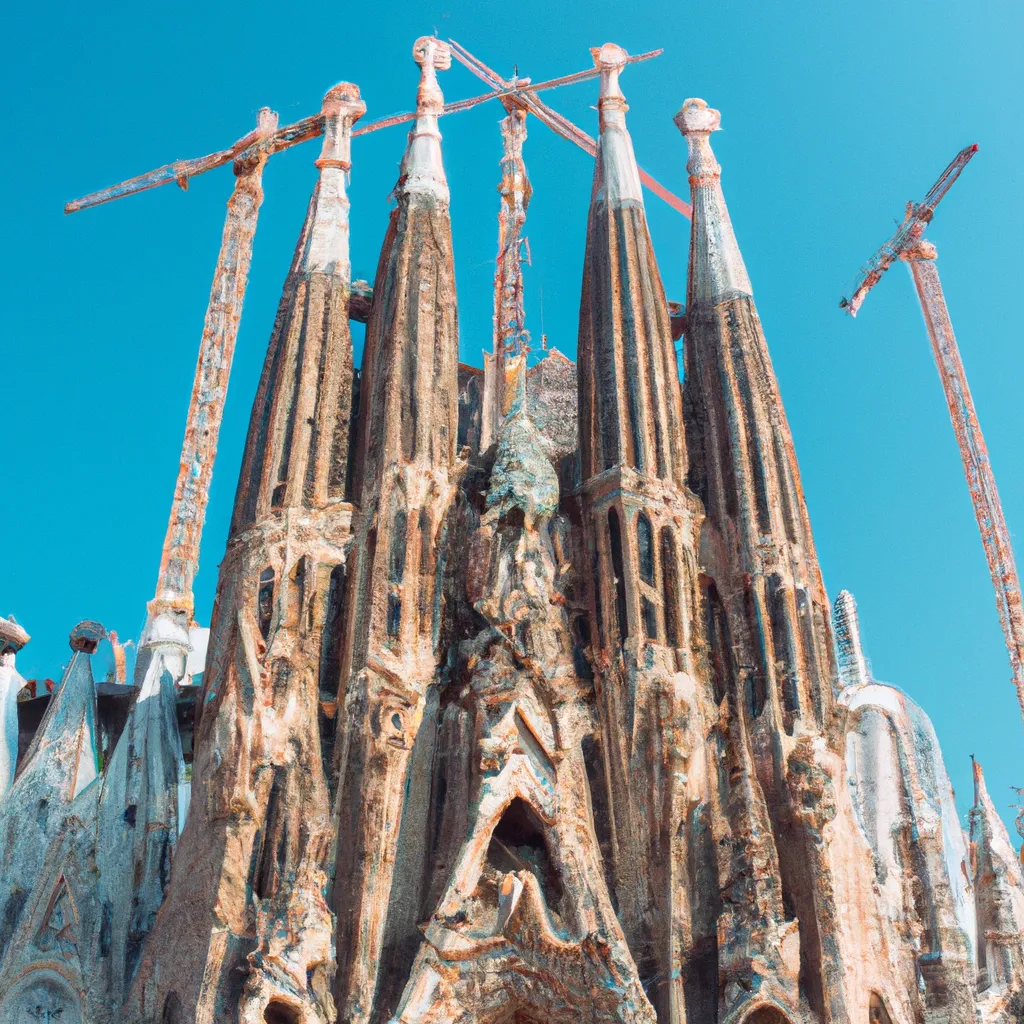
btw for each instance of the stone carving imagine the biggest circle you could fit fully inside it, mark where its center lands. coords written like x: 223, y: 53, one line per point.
x: 521, y: 701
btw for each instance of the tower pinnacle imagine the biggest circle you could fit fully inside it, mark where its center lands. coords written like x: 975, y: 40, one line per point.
x: 717, y: 271
x: 326, y: 249
x: 422, y: 168
x: 620, y: 177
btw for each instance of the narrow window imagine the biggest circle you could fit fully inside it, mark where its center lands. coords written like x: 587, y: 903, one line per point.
x: 716, y: 627
x: 333, y: 629
x: 581, y: 633
x: 298, y: 589
x: 877, y: 1013
x: 650, y: 617
x: 670, y: 587
x: 805, y: 613
x: 265, y: 601
x: 396, y: 571
x: 645, y: 546
x: 782, y: 648
x: 595, y: 563
x: 757, y: 686
x: 426, y: 569
x: 615, y: 542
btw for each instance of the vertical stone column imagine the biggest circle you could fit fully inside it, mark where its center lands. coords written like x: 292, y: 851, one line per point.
x: 406, y: 478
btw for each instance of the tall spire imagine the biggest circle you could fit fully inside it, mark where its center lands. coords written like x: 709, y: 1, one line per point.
x: 642, y: 527
x: 258, y: 832
x: 405, y: 483
x: 742, y: 462
x: 509, y: 313
x: 759, y: 554
x: 630, y: 406
x: 998, y: 893
x: 422, y: 167
x: 717, y: 271
x: 853, y: 669
x: 297, y: 451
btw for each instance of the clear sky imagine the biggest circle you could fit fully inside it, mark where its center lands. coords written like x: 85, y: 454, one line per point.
x: 835, y: 115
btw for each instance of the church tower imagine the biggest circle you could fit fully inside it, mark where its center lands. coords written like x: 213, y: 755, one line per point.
x: 769, y: 643
x: 642, y: 526
x: 249, y: 934
x: 405, y: 484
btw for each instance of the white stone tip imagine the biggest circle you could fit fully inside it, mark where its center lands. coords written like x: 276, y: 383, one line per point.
x: 609, y: 59
x: 429, y: 52
x: 422, y: 168
x: 695, y: 116
x: 341, y: 108
x: 342, y: 100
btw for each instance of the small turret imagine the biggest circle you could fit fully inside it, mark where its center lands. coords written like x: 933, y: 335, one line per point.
x: 998, y: 894
x: 853, y: 669
x: 12, y: 639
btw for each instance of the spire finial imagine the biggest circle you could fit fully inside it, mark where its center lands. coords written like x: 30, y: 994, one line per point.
x: 616, y: 165
x: 717, y: 269
x: 610, y: 59
x: 326, y: 243
x: 422, y: 169
x: 342, y: 107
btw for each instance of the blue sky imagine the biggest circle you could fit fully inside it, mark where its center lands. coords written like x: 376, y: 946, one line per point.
x: 835, y: 115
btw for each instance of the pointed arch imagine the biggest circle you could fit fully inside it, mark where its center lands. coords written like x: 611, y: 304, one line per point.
x: 670, y: 588
x: 618, y: 569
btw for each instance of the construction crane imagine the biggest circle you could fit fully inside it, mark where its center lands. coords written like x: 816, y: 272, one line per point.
x: 910, y: 245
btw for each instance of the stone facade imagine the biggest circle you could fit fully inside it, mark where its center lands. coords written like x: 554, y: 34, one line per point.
x: 524, y: 700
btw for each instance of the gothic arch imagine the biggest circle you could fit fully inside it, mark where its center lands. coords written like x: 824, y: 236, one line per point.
x: 878, y: 1013
x: 764, y: 1013
x: 44, y: 996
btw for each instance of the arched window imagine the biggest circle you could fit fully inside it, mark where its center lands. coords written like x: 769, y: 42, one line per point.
x: 670, y: 588
x: 265, y: 601
x: 426, y: 568
x: 335, y: 613
x: 396, y: 571
x: 785, y: 655
x: 615, y: 543
x: 279, y: 1012
x: 645, y: 547
x: 719, y: 645
x: 766, y: 1014
x: 757, y: 683
x: 172, y: 1010
x: 877, y: 1013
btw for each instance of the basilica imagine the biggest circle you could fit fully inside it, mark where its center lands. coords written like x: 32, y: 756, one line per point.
x: 523, y: 701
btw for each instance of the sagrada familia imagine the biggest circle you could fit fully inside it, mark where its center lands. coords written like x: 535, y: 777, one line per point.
x: 523, y: 700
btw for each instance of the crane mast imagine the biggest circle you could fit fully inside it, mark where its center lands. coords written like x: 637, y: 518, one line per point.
x: 910, y: 246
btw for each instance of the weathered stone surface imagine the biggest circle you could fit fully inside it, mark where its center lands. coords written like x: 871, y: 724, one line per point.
x: 521, y: 701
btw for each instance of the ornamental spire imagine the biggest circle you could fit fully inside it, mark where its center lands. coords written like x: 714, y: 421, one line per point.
x: 618, y: 175
x: 630, y: 406
x: 717, y: 271
x: 327, y: 249
x: 422, y: 168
